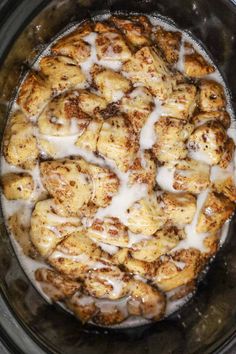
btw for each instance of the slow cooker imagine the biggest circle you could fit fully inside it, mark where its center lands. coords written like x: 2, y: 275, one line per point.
x: 206, y: 324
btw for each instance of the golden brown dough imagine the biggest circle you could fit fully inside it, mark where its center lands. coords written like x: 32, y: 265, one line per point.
x: 212, y: 97
x: 181, y: 102
x: 109, y: 230
x: 207, y: 143
x: 179, y: 208
x: 77, y: 255
x: 82, y: 306
x: 135, y: 266
x: 20, y: 145
x: 20, y: 229
x: 146, y: 301
x: 112, y: 46
x: 226, y: 186
x: 134, y: 30
x: 68, y: 183
x: 89, y: 138
x: 105, y: 185
x: 111, y: 85
x: 215, y: 211
x: 178, y: 269
x: 34, y: 94
x: 55, y: 285
x: 63, y: 117
x: 117, y: 142
x: 17, y: 186
x: 222, y: 116
x: 195, y: 64
x: 72, y: 47
x: 171, y: 135
x: 191, y: 176
x: 61, y: 73
x: 227, y: 156
x: 91, y: 103
x: 137, y: 105
x: 146, y: 216
x: 163, y: 241
x: 48, y: 229
x: 106, y: 283
x: 146, y: 67
x: 110, y: 316
x: 79, y: 33
x: 143, y: 170
x: 169, y: 43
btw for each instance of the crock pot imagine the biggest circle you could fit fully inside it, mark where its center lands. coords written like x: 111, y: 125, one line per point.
x: 206, y: 324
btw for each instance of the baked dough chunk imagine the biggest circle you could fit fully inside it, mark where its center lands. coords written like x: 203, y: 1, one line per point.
x: 89, y: 138
x: 226, y: 186
x: 163, y: 241
x: 109, y: 316
x: 68, y: 183
x: 105, y: 185
x: 82, y: 306
x: 137, y: 105
x: 147, y: 68
x: 143, y: 171
x: 194, y: 63
x: 222, y: 116
x: 106, y: 283
x: 179, y: 208
x: 110, y: 45
x: 146, y: 301
x: 17, y: 186
x: 211, y: 243
x: 34, y: 94
x: 169, y: 43
x: 191, y: 176
x: 109, y: 230
x: 77, y: 255
x: 181, y: 102
x: 48, y: 228
x: 20, y: 227
x: 63, y: 117
x: 55, y: 285
x: 20, y: 145
x: 72, y: 46
x: 171, y: 136
x: 146, y: 216
x: 214, y: 213
x: 117, y: 142
x: 79, y: 33
x: 134, y: 31
x: 207, y: 143
x: 62, y: 73
x: 178, y: 269
x: 227, y: 154
x: 211, y: 97
x: 135, y: 266
x: 91, y: 103
x: 111, y: 85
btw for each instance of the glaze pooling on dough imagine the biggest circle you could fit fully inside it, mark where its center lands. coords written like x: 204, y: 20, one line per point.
x: 127, y: 194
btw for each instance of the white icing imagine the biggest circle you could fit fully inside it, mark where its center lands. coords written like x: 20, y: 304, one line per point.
x: 194, y: 239
x: 147, y: 135
x: 81, y: 258
x: 165, y: 178
x: 123, y: 200
x: 135, y: 238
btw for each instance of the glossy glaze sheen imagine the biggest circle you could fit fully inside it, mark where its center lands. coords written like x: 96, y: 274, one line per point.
x: 207, y: 323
